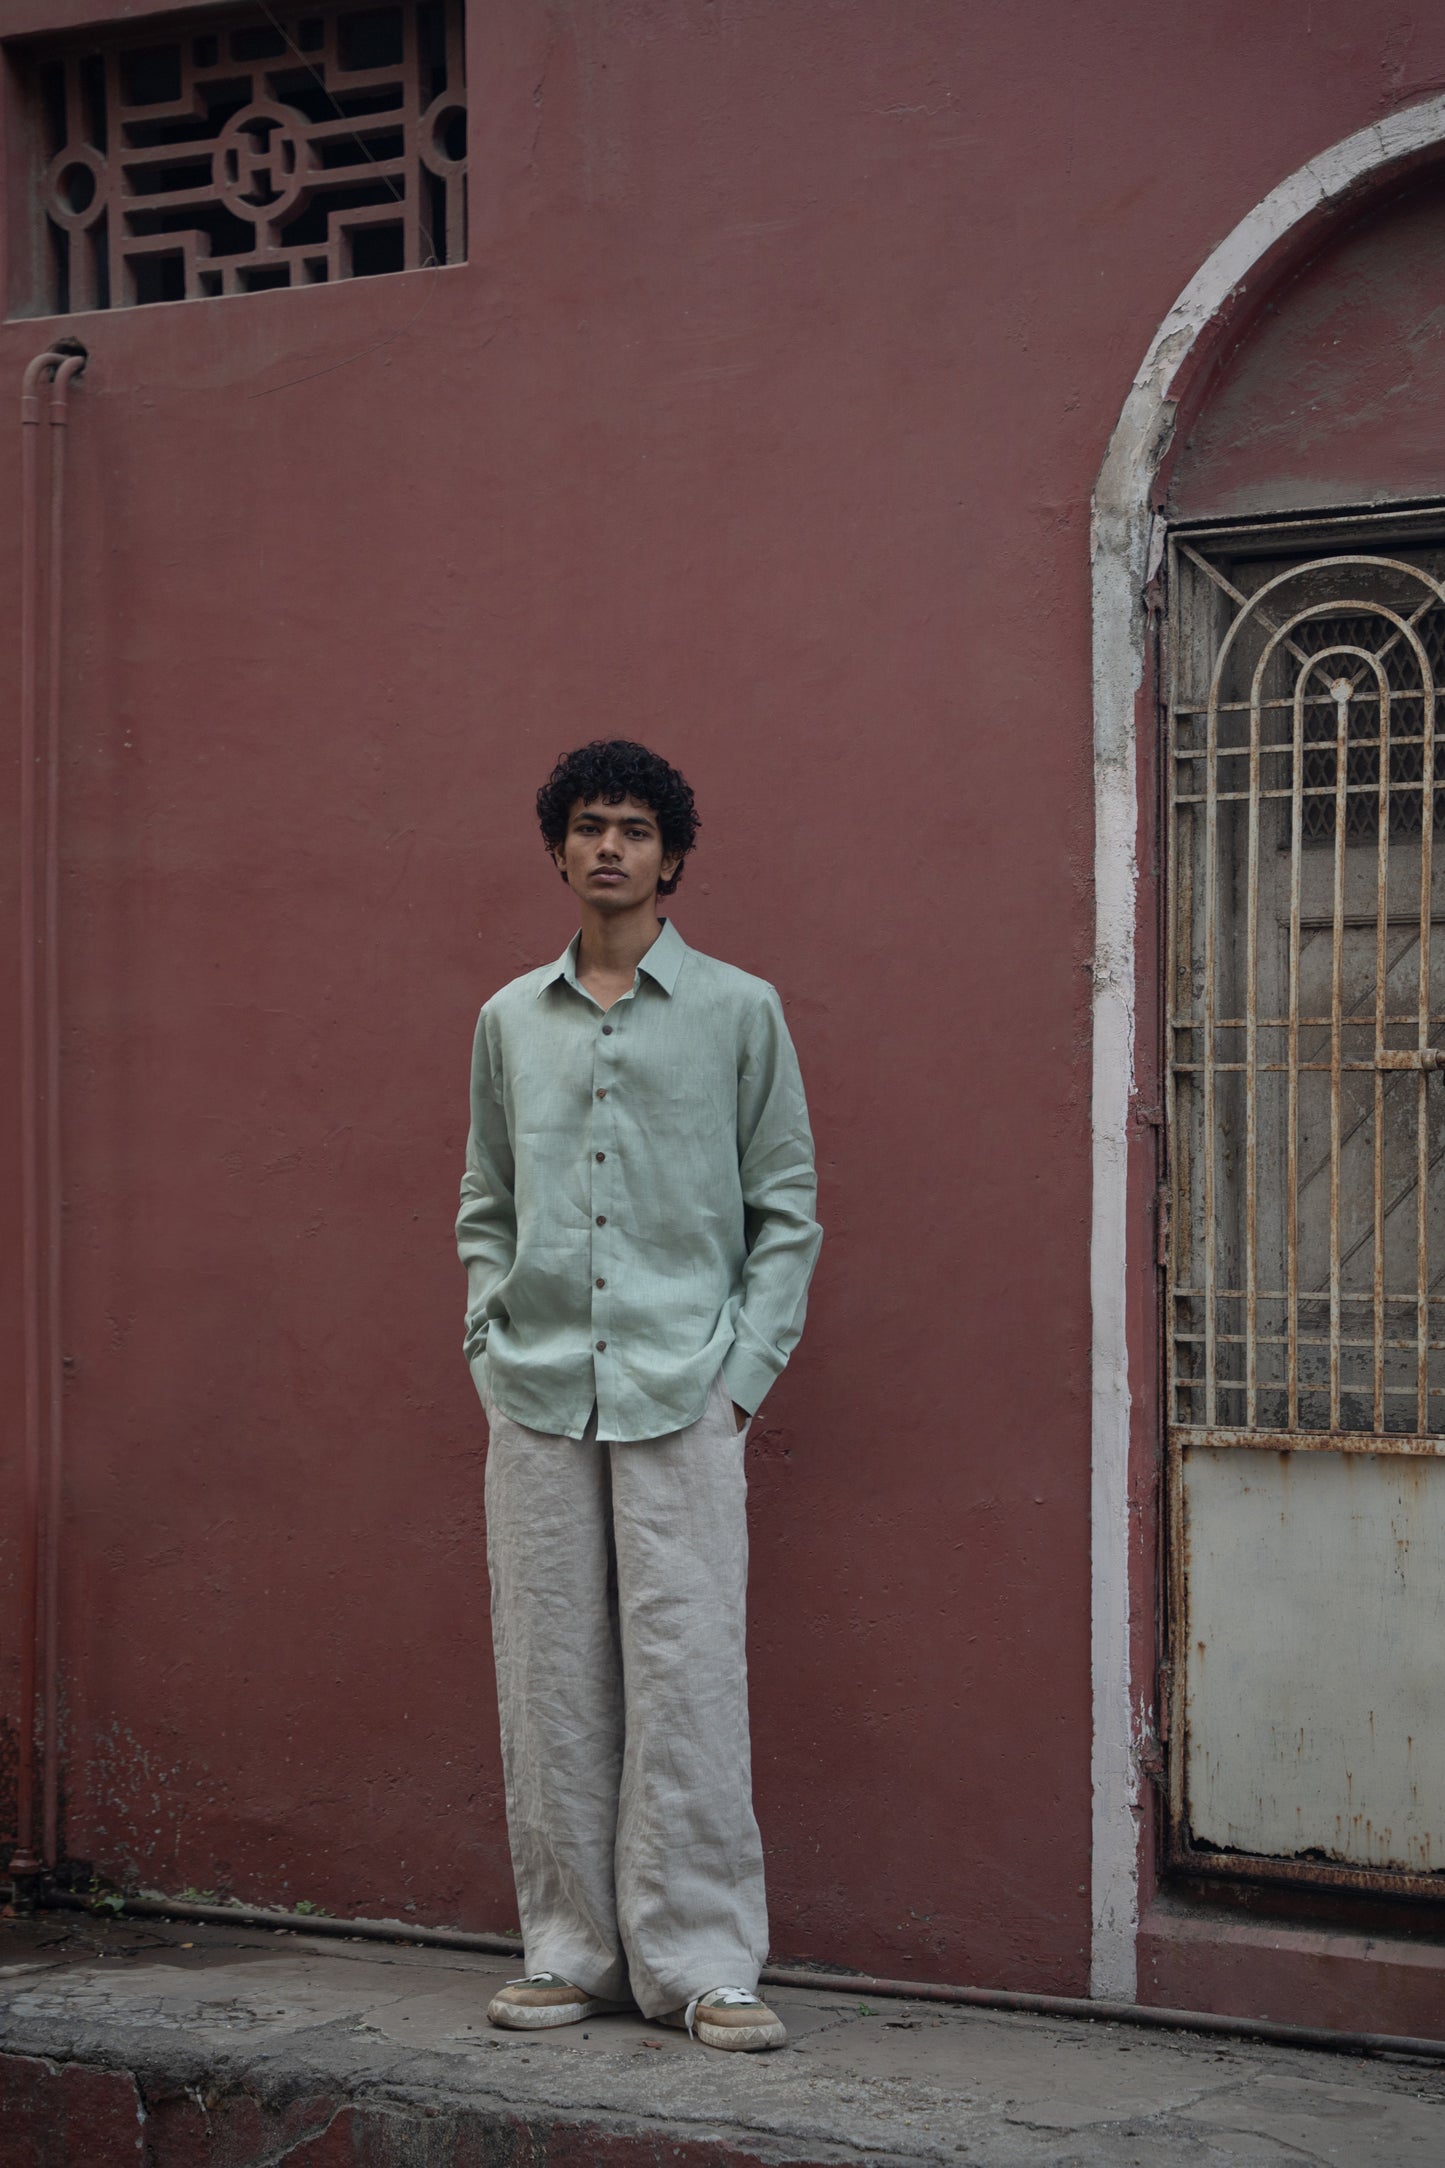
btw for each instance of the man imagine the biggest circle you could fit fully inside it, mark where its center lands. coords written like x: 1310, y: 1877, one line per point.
x: 637, y: 1227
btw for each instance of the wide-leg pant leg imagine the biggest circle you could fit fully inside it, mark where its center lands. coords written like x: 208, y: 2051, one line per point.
x: 690, y: 1897
x: 559, y: 1691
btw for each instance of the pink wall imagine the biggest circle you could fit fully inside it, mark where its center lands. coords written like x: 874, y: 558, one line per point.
x: 762, y: 425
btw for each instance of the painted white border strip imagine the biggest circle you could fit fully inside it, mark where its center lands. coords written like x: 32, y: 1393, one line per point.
x: 1119, y: 544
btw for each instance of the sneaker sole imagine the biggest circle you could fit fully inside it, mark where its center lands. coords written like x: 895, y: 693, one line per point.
x: 743, y: 2039
x: 542, y: 2017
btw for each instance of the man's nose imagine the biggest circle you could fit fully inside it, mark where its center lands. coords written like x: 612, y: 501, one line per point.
x: 609, y: 847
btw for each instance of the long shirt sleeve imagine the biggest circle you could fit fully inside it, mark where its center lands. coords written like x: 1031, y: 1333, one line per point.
x: 487, y: 1222
x: 779, y: 1187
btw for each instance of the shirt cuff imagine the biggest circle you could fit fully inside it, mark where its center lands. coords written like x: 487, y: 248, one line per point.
x: 747, y: 1380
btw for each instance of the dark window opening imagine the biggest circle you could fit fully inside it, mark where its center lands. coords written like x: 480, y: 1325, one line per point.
x: 151, y: 76
x: 376, y: 248
x: 452, y: 134
x: 264, y: 42
x: 159, y: 277
x: 60, y: 270
x: 92, y: 91
x: 431, y: 31
x: 372, y: 39
x: 100, y: 266
x: 435, y: 237
x: 50, y: 101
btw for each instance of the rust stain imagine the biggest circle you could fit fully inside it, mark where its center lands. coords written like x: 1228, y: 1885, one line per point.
x: 1405, y: 1445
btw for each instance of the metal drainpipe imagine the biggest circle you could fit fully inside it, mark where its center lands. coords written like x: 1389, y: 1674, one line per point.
x: 40, y: 1077
x: 59, y: 411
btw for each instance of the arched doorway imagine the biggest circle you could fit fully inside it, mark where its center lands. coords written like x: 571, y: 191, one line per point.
x: 1296, y: 436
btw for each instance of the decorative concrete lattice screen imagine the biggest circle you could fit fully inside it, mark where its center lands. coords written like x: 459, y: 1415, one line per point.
x: 262, y: 147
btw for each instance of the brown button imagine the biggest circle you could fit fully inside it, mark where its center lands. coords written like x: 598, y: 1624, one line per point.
x: 601, y: 1155
x: 607, y: 1031
x: 601, y: 1283
x: 602, y: 1347
x: 602, y: 1219
x: 602, y: 1094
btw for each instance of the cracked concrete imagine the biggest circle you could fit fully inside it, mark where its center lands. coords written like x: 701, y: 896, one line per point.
x: 171, y: 2044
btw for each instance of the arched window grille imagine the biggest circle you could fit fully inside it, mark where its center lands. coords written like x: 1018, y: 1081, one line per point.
x: 1306, y: 991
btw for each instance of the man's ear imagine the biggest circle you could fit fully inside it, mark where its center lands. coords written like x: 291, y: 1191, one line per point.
x: 669, y: 867
x: 559, y: 859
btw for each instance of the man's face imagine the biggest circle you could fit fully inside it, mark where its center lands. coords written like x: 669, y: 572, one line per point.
x: 612, y: 855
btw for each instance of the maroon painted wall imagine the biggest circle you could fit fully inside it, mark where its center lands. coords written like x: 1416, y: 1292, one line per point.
x: 761, y: 423
x: 1333, y: 393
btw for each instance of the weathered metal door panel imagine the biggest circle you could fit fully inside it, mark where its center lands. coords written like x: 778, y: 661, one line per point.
x: 1314, y: 1712
x: 1306, y: 1125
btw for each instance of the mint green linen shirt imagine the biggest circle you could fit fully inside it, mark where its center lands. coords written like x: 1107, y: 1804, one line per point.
x: 637, y: 1207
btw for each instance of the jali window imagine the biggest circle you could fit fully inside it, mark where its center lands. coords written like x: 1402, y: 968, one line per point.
x: 260, y: 147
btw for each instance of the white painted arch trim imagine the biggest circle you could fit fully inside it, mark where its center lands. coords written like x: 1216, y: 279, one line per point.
x: 1120, y: 551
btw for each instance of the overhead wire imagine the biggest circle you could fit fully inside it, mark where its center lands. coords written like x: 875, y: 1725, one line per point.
x: 431, y: 261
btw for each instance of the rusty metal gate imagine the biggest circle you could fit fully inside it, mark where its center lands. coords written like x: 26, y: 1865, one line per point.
x: 1305, y: 1125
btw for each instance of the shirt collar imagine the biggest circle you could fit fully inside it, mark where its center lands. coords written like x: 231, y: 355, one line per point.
x: 663, y: 960
x: 662, y: 963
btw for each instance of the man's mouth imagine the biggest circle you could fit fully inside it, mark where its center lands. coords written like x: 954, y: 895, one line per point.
x: 609, y: 873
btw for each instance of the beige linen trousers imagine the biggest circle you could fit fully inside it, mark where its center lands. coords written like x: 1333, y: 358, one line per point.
x: 619, y: 1580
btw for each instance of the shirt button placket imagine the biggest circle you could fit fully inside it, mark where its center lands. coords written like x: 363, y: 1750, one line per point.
x: 602, y: 1155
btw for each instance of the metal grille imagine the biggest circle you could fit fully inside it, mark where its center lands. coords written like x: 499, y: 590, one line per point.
x: 269, y: 146
x: 1320, y: 637
x: 1306, y: 999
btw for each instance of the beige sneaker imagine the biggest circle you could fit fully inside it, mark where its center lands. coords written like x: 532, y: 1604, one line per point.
x: 730, y: 2017
x: 544, y: 1999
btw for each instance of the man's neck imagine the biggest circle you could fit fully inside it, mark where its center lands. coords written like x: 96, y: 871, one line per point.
x: 613, y: 944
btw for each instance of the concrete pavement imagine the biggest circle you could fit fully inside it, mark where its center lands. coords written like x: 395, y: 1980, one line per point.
x: 166, y: 2044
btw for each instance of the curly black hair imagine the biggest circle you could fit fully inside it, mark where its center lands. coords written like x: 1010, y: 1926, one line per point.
x: 611, y: 769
